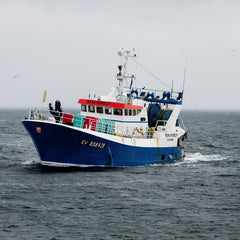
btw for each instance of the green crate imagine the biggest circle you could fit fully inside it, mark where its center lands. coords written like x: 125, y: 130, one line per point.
x: 78, y: 120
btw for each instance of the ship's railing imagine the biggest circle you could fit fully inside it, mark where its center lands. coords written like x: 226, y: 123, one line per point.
x: 87, y: 122
x: 36, y: 114
x: 92, y: 123
x: 155, y: 95
x: 75, y: 120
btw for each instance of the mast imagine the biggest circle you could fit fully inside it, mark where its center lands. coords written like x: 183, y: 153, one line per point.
x: 122, y: 76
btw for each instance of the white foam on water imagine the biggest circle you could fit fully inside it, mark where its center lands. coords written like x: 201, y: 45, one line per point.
x: 199, y: 157
x: 30, y: 162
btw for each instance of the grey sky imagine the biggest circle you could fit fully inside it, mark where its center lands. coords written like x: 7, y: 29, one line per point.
x: 69, y: 48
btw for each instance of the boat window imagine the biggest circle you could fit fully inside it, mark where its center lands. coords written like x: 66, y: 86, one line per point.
x: 126, y: 112
x: 108, y: 110
x: 83, y: 108
x: 118, y: 111
x: 91, y: 108
x: 138, y: 111
x: 134, y: 112
x: 99, y: 109
x: 130, y: 112
x: 177, y: 122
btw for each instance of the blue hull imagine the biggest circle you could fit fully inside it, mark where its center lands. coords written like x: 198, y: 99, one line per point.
x: 64, y: 145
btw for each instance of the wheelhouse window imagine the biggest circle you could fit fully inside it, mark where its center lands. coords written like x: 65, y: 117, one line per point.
x: 84, y: 108
x: 118, y: 111
x: 131, y: 112
x: 108, y: 111
x: 91, y: 109
x: 99, y: 109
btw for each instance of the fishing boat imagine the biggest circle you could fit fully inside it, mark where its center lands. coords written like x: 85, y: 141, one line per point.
x: 130, y: 126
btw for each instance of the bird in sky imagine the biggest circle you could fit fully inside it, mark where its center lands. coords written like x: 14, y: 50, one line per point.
x: 16, y: 76
x: 234, y: 49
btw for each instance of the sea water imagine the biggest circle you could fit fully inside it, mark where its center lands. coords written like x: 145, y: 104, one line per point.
x: 198, y: 198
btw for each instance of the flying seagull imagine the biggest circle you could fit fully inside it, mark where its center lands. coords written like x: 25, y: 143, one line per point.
x: 234, y: 49
x: 15, y: 76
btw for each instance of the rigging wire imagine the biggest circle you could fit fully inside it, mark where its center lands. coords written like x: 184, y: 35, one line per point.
x: 151, y: 74
x: 181, y: 120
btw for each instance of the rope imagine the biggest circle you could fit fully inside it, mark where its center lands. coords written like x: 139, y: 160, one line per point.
x: 151, y: 74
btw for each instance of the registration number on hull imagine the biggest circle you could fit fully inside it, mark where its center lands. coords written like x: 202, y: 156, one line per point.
x: 93, y: 144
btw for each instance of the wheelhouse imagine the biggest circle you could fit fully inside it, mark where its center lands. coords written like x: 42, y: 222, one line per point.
x: 108, y: 108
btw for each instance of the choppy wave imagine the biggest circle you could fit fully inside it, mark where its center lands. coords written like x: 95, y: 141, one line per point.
x: 198, y: 196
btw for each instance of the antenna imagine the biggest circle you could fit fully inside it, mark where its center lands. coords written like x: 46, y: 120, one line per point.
x: 185, y: 69
x: 172, y: 89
